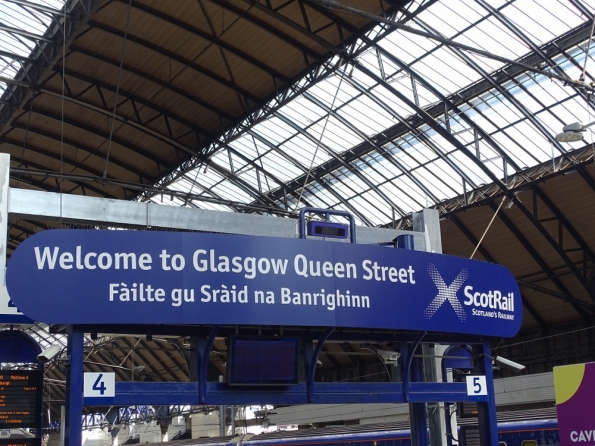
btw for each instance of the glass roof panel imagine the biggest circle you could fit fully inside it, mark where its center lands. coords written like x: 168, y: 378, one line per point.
x: 380, y: 140
x: 23, y: 26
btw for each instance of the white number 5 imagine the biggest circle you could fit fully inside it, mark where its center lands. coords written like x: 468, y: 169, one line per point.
x: 476, y: 385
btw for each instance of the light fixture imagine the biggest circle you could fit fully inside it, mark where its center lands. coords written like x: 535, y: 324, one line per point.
x: 572, y: 132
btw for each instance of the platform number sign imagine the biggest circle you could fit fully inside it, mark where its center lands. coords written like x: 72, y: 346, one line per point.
x: 99, y: 385
x: 476, y: 385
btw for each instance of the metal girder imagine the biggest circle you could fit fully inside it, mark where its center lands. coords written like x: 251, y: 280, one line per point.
x: 307, y: 32
x: 278, y: 33
x: 102, y: 134
x: 124, y: 120
x: 143, y: 75
x: 99, y: 85
x: 485, y: 136
x: 247, y: 187
x: 449, y: 42
x: 586, y: 177
x: 320, y: 181
x: 564, y: 225
x: 19, y: 57
x: 207, y: 190
x: 556, y: 47
x: 40, y: 7
x: 537, y: 258
x: 89, y: 150
x: 147, y: 362
x: 415, y: 132
x: 565, y: 297
x: 16, y: 172
x: 529, y: 42
x: 264, y: 171
x: 320, y: 71
x: 429, y: 120
x: 578, y: 4
x: 46, y: 55
x: 23, y: 33
x: 173, y: 56
x: 332, y: 153
x: 212, y: 39
x: 486, y: 255
x: 381, y: 150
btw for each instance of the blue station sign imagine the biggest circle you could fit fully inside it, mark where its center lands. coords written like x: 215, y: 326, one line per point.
x: 137, y: 277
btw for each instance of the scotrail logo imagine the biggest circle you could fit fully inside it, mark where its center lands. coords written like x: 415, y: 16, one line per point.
x: 490, y: 303
x: 446, y: 293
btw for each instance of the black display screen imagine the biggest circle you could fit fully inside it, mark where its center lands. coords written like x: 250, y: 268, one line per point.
x: 19, y: 393
x: 326, y: 230
x: 263, y: 361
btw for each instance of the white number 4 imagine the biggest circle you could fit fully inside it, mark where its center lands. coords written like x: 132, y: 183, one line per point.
x: 99, y: 385
x: 476, y: 385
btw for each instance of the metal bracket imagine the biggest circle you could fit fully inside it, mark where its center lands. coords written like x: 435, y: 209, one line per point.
x: 204, y: 363
x: 315, y: 354
x: 408, y: 361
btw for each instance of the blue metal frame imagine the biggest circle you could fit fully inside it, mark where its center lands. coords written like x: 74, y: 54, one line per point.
x: 412, y: 389
x: 326, y: 213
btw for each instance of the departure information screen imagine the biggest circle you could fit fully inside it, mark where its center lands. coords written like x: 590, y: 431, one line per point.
x: 19, y: 393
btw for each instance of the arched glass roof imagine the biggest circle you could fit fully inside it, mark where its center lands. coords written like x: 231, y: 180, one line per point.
x: 403, y: 121
x: 400, y: 120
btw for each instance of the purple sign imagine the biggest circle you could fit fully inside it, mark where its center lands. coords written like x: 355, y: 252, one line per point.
x: 124, y: 277
x: 575, y: 391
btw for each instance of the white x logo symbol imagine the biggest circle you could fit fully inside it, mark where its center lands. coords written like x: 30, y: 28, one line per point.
x: 448, y: 293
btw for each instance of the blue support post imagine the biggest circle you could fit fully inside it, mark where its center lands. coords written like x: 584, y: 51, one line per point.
x: 312, y: 369
x: 413, y: 372
x: 74, y: 389
x: 203, y: 352
x: 488, y: 427
x: 417, y: 411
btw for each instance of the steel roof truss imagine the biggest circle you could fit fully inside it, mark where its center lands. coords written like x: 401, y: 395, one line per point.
x: 564, y: 227
x: 539, y: 260
x: 48, y: 55
x: 536, y: 50
x: 298, y: 181
x: 379, y: 148
x: 353, y: 169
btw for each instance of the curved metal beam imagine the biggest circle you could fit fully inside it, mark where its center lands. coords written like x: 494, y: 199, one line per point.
x: 212, y: 39
x: 332, y: 153
x: 379, y: 148
x: 166, y: 85
x: 173, y: 56
x: 89, y: 150
x: 314, y: 176
x: 538, y: 259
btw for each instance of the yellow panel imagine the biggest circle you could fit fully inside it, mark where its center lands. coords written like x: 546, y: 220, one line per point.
x: 567, y: 380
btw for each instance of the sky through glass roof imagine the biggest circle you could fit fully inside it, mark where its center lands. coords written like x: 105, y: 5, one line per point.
x: 378, y: 97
